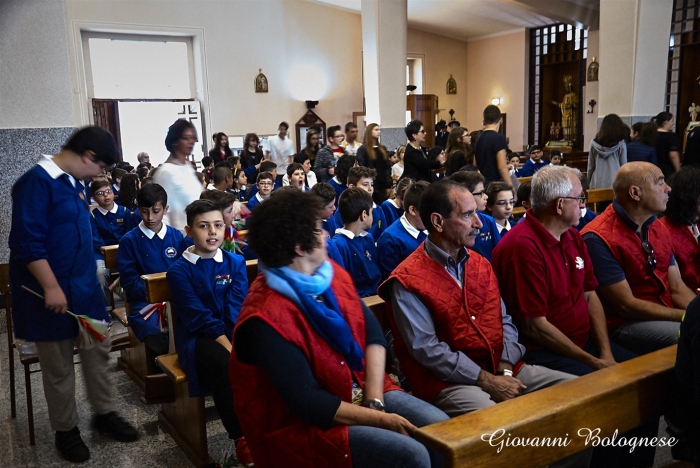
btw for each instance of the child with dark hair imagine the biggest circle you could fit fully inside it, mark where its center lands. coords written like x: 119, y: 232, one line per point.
x: 355, y: 243
x: 117, y: 175
x: 51, y: 255
x: 363, y: 177
x: 404, y: 236
x: 151, y: 248
x: 208, y: 287
x: 393, y: 207
x: 265, y: 183
x: 500, y: 200
x: 297, y: 177
x: 265, y: 166
x: 339, y: 181
x: 489, y: 234
x: 222, y: 177
x: 240, y: 185
x: 326, y: 193
x: 225, y: 202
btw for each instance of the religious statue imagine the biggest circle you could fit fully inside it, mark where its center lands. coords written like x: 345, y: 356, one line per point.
x: 260, y: 82
x: 694, y: 111
x: 593, y: 71
x: 568, y: 110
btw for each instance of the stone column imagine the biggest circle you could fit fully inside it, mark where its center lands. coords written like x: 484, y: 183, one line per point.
x: 384, y: 65
x: 634, y: 43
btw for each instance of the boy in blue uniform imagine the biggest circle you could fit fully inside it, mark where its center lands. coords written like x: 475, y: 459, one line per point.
x: 150, y: 248
x: 266, y: 166
x: 393, y: 208
x: 325, y: 192
x: 363, y: 177
x: 265, y: 184
x: 110, y: 221
x: 532, y: 165
x: 489, y: 234
x: 208, y: 287
x: 355, y: 244
x: 339, y: 181
x: 51, y: 254
x: 404, y: 236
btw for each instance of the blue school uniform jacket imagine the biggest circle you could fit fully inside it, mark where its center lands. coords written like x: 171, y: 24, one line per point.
x: 399, y: 241
x: 141, y: 252
x: 334, y: 253
x: 108, y: 227
x: 530, y: 167
x: 391, y: 212
x: 254, y: 201
x: 338, y: 187
x: 207, y: 294
x: 254, y: 189
x: 51, y: 221
x: 585, y: 219
x: 360, y: 258
x: 330, y: 225
x: 379, y: 224
x: 488, y: 237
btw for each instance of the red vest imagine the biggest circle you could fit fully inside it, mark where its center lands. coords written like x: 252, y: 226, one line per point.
x: 467, y: 319
x: 275, y: 435
x: 686, y: 251
x: 627, y: 250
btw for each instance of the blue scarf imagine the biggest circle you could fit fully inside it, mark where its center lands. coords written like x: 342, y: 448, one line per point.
x: 324, y: 316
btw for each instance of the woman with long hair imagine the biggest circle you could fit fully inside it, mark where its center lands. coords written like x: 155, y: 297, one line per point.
x: 313, y: 144
x: 608, y: 151
x: 127, y: 198
x: 667, y: 145
x: 681, y: 219
x: 252, y: 153
x: 221, y: 151
x: 373, y: 154
x: 641, y: 148
x: 458, y: 150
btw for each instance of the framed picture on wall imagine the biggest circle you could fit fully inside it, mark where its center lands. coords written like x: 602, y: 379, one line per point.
x: 308, y: 120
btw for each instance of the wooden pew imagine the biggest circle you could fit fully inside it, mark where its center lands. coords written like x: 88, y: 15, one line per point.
x: 616, y: 398
x: 110, y: 254
x: 596, y: 196
x: 133, y: 360
x: 522, y: 180
x: 185, y: 419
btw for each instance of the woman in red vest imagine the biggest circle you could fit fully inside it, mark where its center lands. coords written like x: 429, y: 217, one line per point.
x: 681, y: 219
x: 307, y: 366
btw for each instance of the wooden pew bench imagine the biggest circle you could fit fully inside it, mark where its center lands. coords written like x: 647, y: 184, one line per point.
x: 617, y: 398
x: 596, y: 196
x: 185, y: 418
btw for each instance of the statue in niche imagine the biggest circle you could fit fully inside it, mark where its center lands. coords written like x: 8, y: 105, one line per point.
x: 694, y: 111
x: 568, y: 110
x: 260, y: 82
x: 593, y: 71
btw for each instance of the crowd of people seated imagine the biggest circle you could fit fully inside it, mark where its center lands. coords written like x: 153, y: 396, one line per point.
x: 482, y: 307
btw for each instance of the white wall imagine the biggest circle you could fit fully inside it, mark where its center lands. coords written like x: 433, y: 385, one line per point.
x: 590, y: 91
x: 498, y: 68
x: 35, y: 88
x: 239, y: 38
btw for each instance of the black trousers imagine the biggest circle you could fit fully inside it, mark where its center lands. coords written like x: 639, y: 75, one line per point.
x: 211, y: 360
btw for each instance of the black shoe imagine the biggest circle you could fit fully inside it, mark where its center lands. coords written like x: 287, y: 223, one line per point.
x: 114, y: 426
x: 71, y: 445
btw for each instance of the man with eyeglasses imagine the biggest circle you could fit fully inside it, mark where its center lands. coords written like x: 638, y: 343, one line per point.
x: 534, y: 164
x: 548, y: 284
x: 326, y: 158
x: 640, y: 285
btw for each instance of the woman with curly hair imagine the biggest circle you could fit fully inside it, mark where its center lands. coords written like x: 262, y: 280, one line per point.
x: 307, y: 365
x: 681, y: 219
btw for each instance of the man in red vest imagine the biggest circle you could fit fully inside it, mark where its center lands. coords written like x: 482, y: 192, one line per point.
x: 454, y: 340
x: 639, y: 284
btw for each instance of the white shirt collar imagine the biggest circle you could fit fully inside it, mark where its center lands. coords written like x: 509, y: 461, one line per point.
x: 104, y: 212
x: 410, y: 228
x: 148, y: 233
x: 192, y: 257
x: 260, y: 199
x: 583, y: 212
x: 393, y: 202
x: 47, y: 164
x: 335, y: 179
x: 349, y: 234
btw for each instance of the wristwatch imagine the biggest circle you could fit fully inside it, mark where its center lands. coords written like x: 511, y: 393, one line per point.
x: 375, y: 404
x: 507, y: 372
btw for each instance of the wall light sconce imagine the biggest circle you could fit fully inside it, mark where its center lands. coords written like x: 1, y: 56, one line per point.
x: 311, y: 104
x: 496, y: 101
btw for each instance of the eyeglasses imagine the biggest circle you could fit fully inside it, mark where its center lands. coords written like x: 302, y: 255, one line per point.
x: 479, y: 194
x: 505, y: 202
x: 651, y: 255
x: 103, y: 192
x: 581, y: 199
x: 265, y: 184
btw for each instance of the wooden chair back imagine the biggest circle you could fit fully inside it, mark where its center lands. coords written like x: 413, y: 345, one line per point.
x: 596, y: 196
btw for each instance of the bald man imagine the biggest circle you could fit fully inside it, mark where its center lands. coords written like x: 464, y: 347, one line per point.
x: 639, y: 283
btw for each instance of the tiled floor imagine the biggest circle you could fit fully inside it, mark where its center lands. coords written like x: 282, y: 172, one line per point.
x: 155, y: 448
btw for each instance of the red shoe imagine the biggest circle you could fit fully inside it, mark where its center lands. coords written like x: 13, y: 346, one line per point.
x: 243, y: 453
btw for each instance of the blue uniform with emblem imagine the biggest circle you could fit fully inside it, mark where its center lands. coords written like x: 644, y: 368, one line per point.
x: 488, y: 237
x: 141, y: 252
x: 51, y: 221
x: 206, y: 297
x: 391, y: 212
x: 109, y: 227
x: 378, y: 221
x: 396, y: 244
x: 360, y: 258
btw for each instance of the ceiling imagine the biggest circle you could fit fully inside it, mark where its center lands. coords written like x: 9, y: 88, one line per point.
x: 470, y: 19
